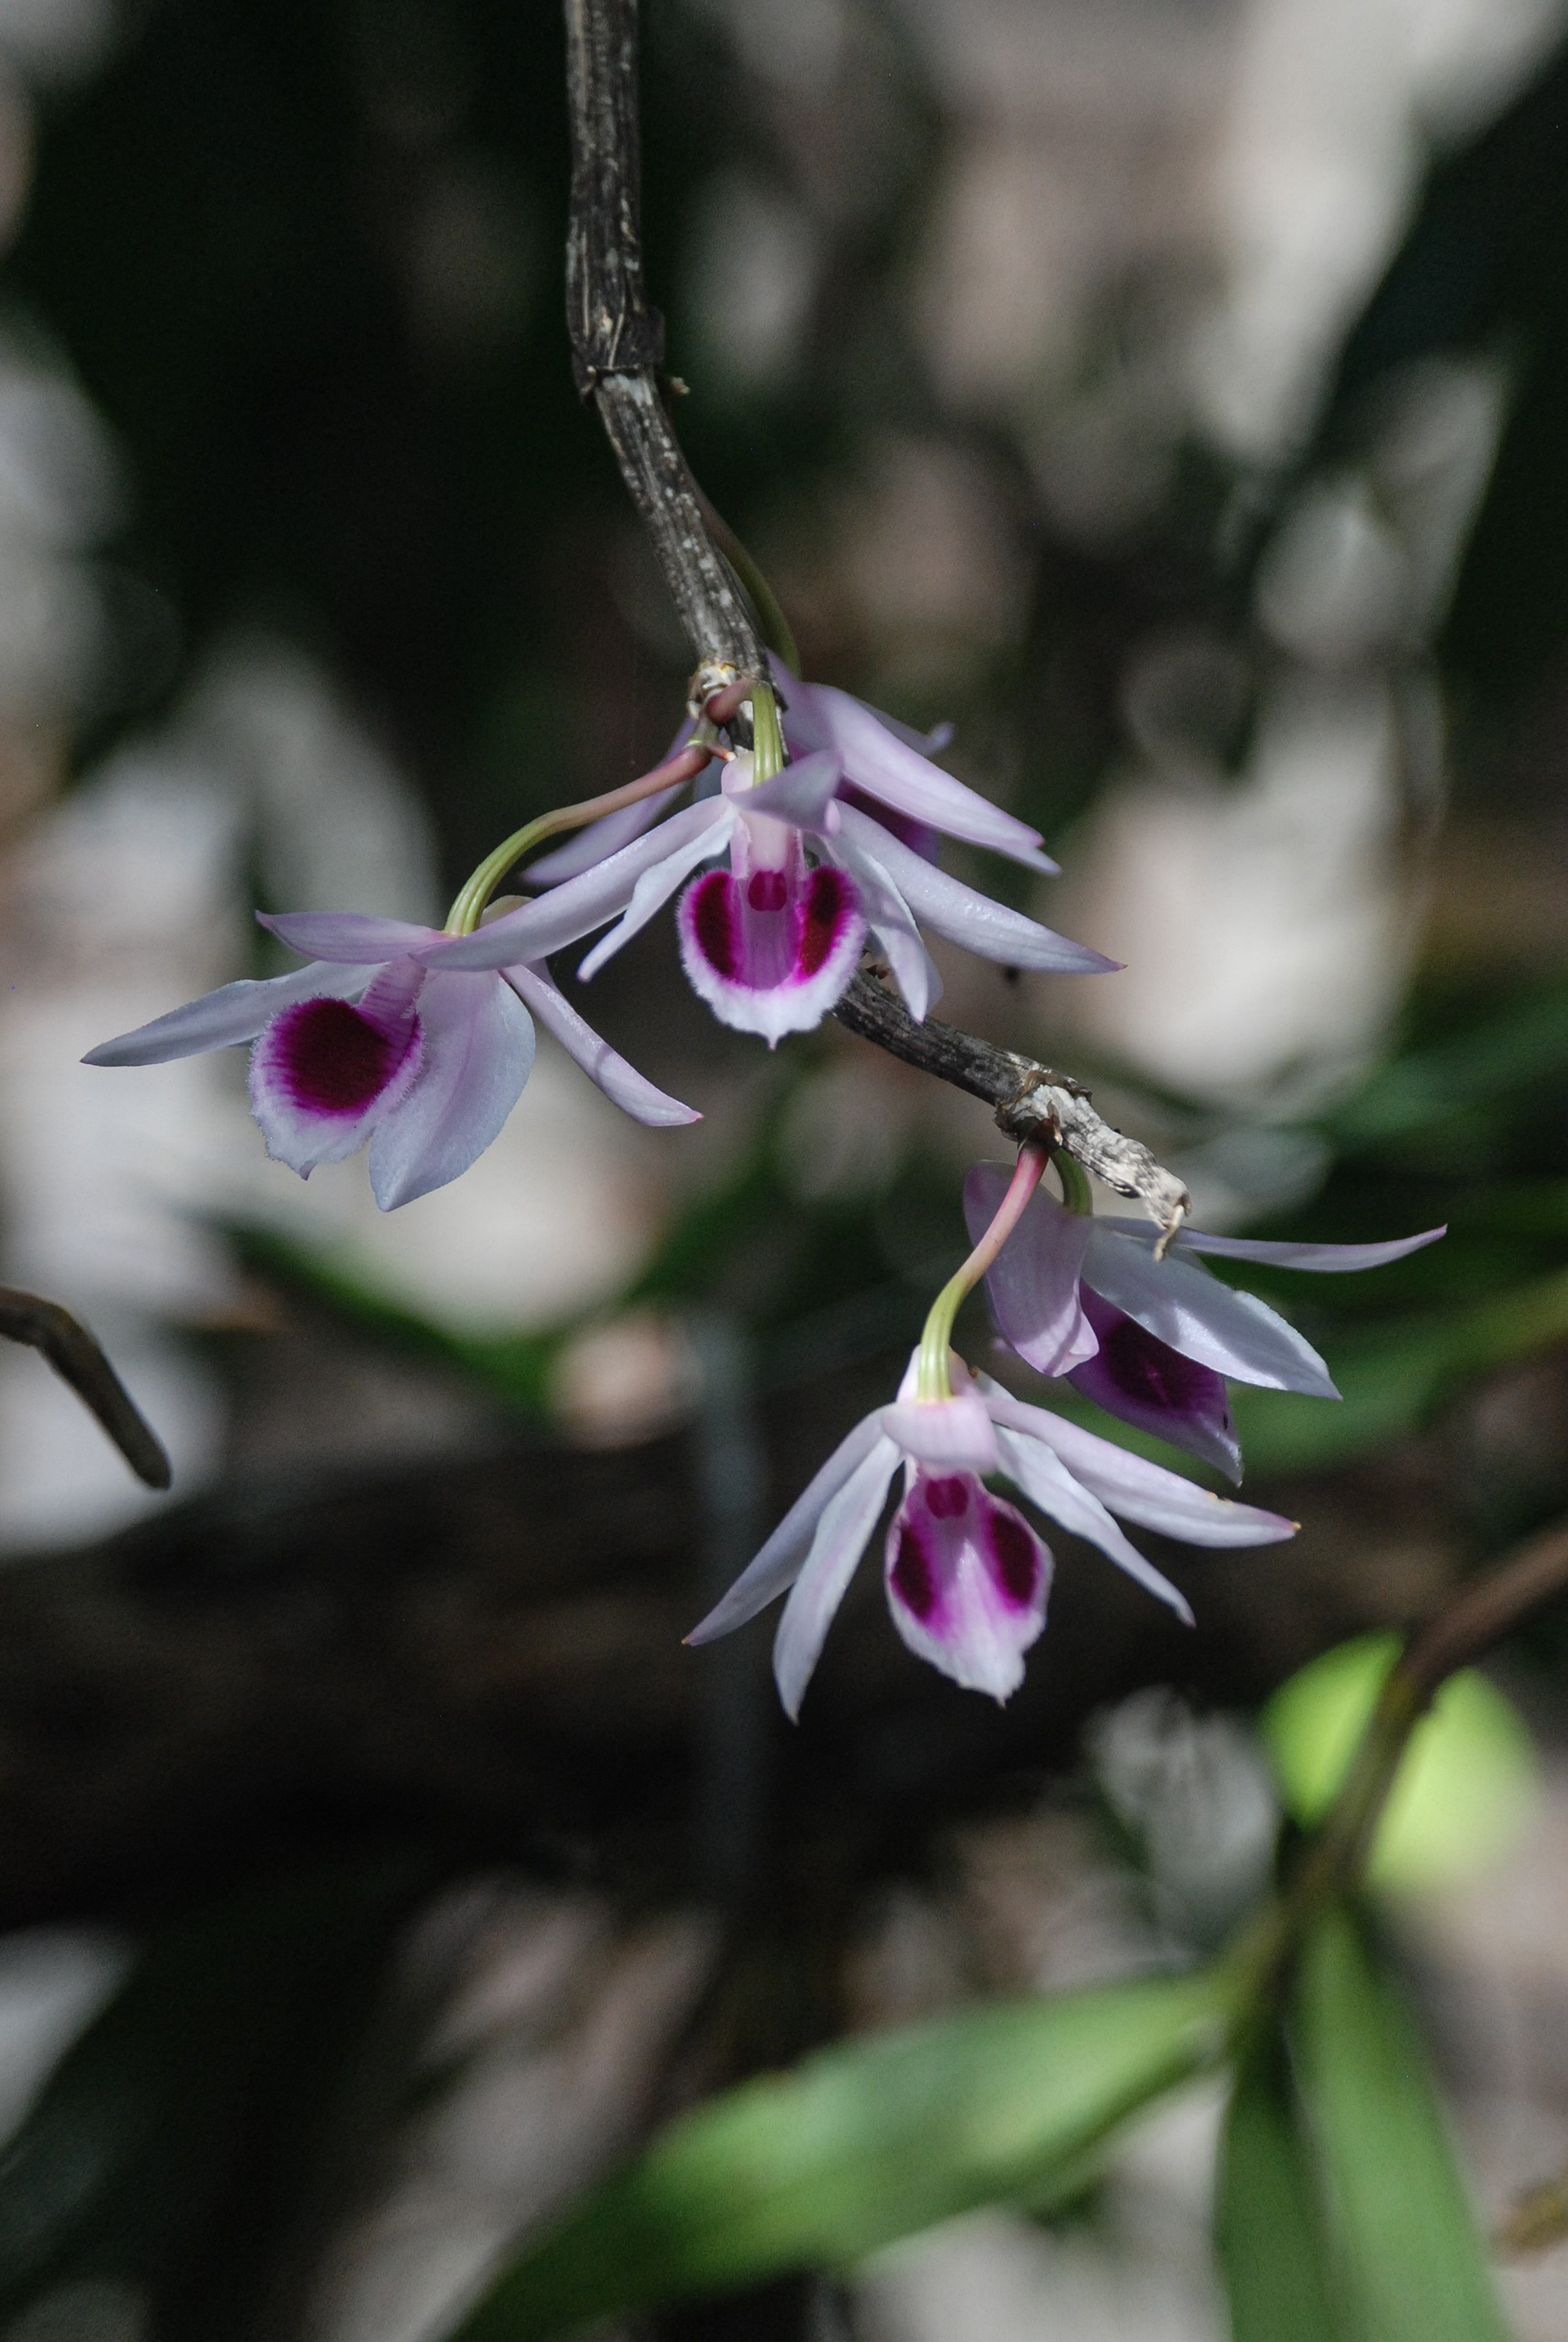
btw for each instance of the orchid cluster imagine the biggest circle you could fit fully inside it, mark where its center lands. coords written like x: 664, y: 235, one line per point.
x: 818, y: 837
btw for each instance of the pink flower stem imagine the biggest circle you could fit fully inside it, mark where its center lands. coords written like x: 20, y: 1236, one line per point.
x: 469, y: 907
x: 932, y: 1379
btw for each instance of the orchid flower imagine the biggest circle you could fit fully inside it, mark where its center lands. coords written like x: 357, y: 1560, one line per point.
x: 367, y: 1047
x: 423, y: 1067
x: 771, y: 939
x: 966, y: 1572
x: 887, y: 770
x: 1153, y: 1339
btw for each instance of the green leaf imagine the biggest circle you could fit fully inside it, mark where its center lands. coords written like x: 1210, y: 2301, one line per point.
x: 1412, y: 2262
x: 1268, y: 2221
x: 1512, y: 1051
x: 863, y: 2144
x: 1390, y: 1381
x: 1468, y: 1783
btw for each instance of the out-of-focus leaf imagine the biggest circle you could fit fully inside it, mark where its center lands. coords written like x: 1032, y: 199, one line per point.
x: 863, y: 2144
x: 1412, y: 2264
x: 1391, y: 1379
x: 1465, y: 1790
x: 1523, y: 1045
x: 178, y: 2147
x: 515, y: 1367
x: 1268, y: 2222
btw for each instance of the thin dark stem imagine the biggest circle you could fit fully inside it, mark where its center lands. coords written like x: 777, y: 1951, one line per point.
x: 617, y: 349
x: 1467, y: 1625
x: 1029, y: 1100
x: 618, y: 340
x: 78, y: 1360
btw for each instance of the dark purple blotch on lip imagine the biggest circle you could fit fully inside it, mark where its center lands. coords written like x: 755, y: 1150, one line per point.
x: 829, y: 905
x: 333, y: 1059
x: 912, y: 1575
x: 1014, y: 1561
x: 822, y: 907
x: 713, y: 922
x: 1147, y: 1383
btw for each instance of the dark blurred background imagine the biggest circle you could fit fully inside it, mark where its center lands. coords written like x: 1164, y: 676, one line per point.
x: 1168, y: 392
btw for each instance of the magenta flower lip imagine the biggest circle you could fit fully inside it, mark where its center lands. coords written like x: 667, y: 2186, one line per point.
x: 967, y: 1575
x: 835, y: 849
x: 364, y: 1046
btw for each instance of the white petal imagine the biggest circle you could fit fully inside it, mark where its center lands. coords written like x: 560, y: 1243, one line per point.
x: 620, y: 1082
x: 777, y: 1563
x: 1034, y: 1286
x: 1326, y: 1259
x: 964, y: 917
x: 892, y: 922
x: 881, y: 764
x: 1046, y: 1482
x: 236, y: 1012
x: 1234, y: 1333
x: 478, y: 1054
x: 802, y: 795
x: 351, y: 937
x: 576, y: 908
x: 1138, y: 1490
x: 656, y: 887
x: 951, y: 1435
x: 847, y: 1521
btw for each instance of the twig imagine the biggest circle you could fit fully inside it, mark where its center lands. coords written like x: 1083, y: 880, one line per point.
x: 1030, y: 1100
x: 1466, y: 1625
x: 618, y: 340
x: 77, y: 1359
x: 617, y: 349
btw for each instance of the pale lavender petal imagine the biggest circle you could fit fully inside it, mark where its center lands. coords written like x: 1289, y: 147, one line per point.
x: 656, y: 887
x: 599, y: 839
x: 952, y: 1435
x: 323, y: 1073
x: 777, y: 1563
x: 892, y: 922
x: 1234, y: 1333
x: 966, y: 1579
x: 802, y: 795
x: 1046, y: 1482
x: 918, y: 835
x: 1326, y: 1259
x: 350, y: 937
x: 964, y: 917
x: 1034, y: 1286
x: 1138, y: 1490
x: 621, y: 1082
x: 884, y: 767
x: 773, y: 951
x: 478, y: 1053
x: 579, y: 905
x: 236, y: 1012
x: 847, y: 1521
x: 925, y: 744
x: 1135, y: 1376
